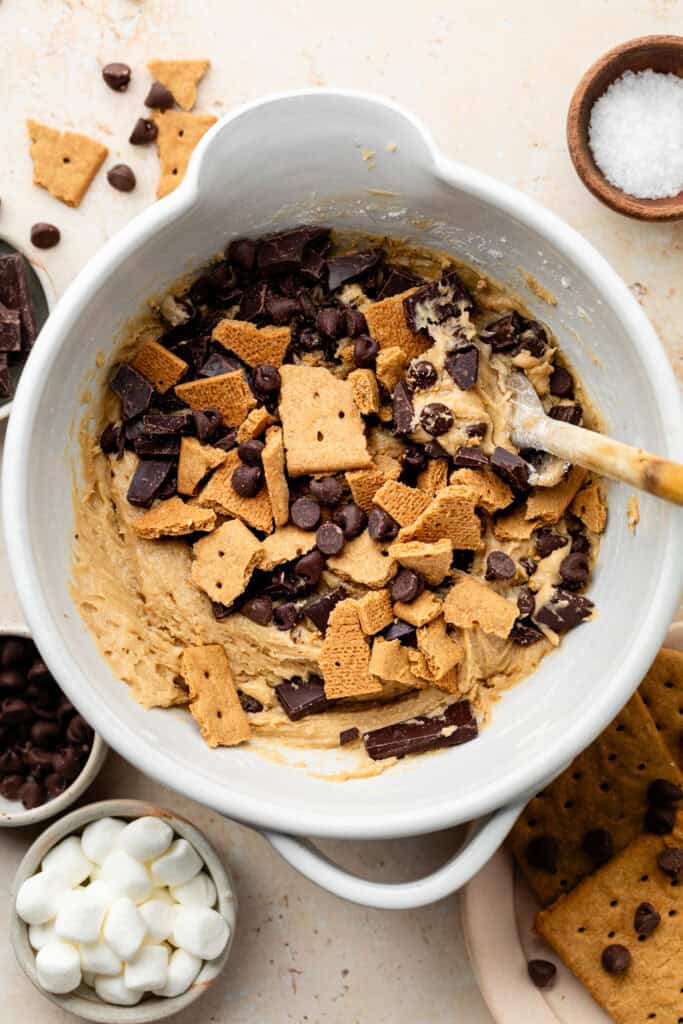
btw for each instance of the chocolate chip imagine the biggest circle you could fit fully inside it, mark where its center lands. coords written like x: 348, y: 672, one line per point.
x: 10, y: 762
x: 267, y: 379
x: 567, y: 413
x: 14, y: 652
x: 144, y: 131
x: 327, y: 491
x: 541, y: 853
x: 78, y: 731
x: 14, y: 710
x: 564, y: 611
x: 646, y: 919
x: 259, y: 610
x: 39, y: 673
x: 503, y: 334
x: 413, y: 459
x: 330, y: 323
x: 398, y: 280
x: 382, y: 526
x: 436, y: 419
x: 121, y: 177
x: 598, y: 845
x: 286, y: 616
x: 117, y: 76
x: 529, y: 565
x: 45, y: 236
x: 547, y: 541
x: 499, y: 566
x: 242, y: 254
x: 11, y: 680
x: 352, y: 520
x: 347, y: 268
x: 616, y: 959
x: 435, y: 451
x: 250, y: 704
x: 541, y: 972
x: 247, y: 481
x: 670, y: 861
x: 463, y: 366
x: 305, y: 513
x: 561, y: 383
x: 581, y: 544
x: 253, y: 302
x: 54, y: 785
x: 133, y: 389
x: 456, y: 725
x: 575, y: 569
x: 10, y: 786
x: 299, y: 698
x: 281, y: 309
x: 526, y: 602
x: 403, y: 408
x: 403, y: 631
x: 147, y: 481
x: 406, y: 586
x: 348, y: 736
x: 250, y: 452
x: 319, y: 609
x: 512, y: 469
x: 421, y: 374
x: 67, y: 763
x: 31, y: 794
x: 38, y: 761
x: 45, y: 734
x: 663, y: 792
x: 660, y: 821
x: 438, y: 304
x: 470, y: 457
x: 365, y: 351
x: 330, y: 538
x: 355, y: 323
x: 159, y: 97
x: 284, y: 251
x: 310, y: 567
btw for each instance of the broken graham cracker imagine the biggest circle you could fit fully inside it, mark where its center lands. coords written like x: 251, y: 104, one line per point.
x: 365, y: 391
x: 64, y: 163
x: 252, y: 344
x: 389, y: 661
x: 662, y: 693
x: 441, y: 652
x: 227, y: 392
x: 387, y: 325
x: 220, y: 495
x: 483, y: 487
x: 590, y: 507
x: 323, y: 430
x: 432, y: 561
x: 173, y: 518
x: 285, y: 544
x: 422, y: 610
x: 364, y: 561
x: 374, y: 611
x: 196, y: 460
x: 214, y: 702
x: 224, y: 561
x: 514, y: 525
x: 177, y: 135
x: 273, y: 461
x: 403, y: 503
x: 256, y: 424
x: 601, y: 911
x: 547, y: 505
x: 181, y: 77
x: 448, y: 515
x: 472, y: 602
x: 434, y: 477
x: 391, y: 362
x: 605, y: 787
x: 345, y: 655
x: 162, y: 368
x: 364, y: 483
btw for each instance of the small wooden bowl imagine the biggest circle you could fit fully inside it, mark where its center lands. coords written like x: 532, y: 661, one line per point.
x: 661, y: 53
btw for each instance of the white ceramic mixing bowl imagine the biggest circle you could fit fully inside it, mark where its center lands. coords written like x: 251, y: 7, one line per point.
x: 298, y: 158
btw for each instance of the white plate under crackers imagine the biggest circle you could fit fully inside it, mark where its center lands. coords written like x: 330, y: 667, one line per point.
x: 498, y: 910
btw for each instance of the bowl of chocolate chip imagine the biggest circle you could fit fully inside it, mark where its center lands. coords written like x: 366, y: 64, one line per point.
x: 49, y: 755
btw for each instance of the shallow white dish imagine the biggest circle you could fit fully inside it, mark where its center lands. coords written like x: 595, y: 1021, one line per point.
x: 294, y: 158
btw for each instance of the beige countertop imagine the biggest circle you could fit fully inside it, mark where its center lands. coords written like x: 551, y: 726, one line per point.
x: 493, y: 82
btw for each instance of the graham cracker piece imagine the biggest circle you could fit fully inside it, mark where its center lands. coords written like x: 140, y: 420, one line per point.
x: 323, y: 430
x: 196, y: 460
x: 604, y: 787
x: 273, y: 461
x: 64, y: 163
x: 256, y: 424
x: 389, y: 661
x: 449, y: 515
x: 662, y: 693
x: 422, y: 610
x: 432, y: 561
x: 365, y: 391
x: 173, y: 518
x: 420, y: 666
x: 224, y: 561
x: 391, y: 362
x: 387, y: 325
x: 178, y: 134
x: 375, y: 611
x: 284, y: 544
x: 214, y: 702
x: 471, y: 602
x: 403, y: 503
x: 162, y: 368
x: 441, y: 652
x: 514, y: 525
x: 434, y: 477
x: 485, y: 489
x: 252, y: 344
x: 364, y: 561
x: 227, y: 392
x: 601, y: 912
x: 220, y: 495
x: 364, y: 483
x: 345, y: 655
x: 547, y: 505
x: 591, y: 507
x: 181, y: 77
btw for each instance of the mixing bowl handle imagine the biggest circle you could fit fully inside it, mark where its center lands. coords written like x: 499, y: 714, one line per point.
x: 483, y: 840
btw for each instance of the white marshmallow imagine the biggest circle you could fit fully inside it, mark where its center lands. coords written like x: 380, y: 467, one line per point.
x: 80, y: 912
x: 124, y: 928
x: 200, y: 931
x: 183, y: 968
x: 100, y: 837
x: 146, y: 838
x: 159, y: 918
x: 59, y: 967
x: 115, y: 990
x: 99, y: 958
x: 68, y: 860
x: 38, y: 897
x: 198, y: 892
x: 148, y: 969
x: 126, y: 876
x: 178, y: 865
x: 40, y: 934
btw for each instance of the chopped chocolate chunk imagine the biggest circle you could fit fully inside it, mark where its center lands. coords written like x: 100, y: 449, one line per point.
x: 570, y: 413
x: 598, y: 845
x: 286, y: 616
x: 181, y: 422
x: 413, y: 459
x: 330, y: 538
x: 258, y: 609
x: 670, y: 861
x: 6, y: 383
x: 225, y: 439
x: 352, y: 520
x: 561, y: 383
x: 462, y: 560
x: 382, y: 526
x: 406, y: 586
x: 564, y: 611
x: 157, y: 446
x: 251, y: 452
x: 253, y: 302
x: 646, y: 919
x: 499, y: 566
x: 365, y: 351
x: 403, y: 409
x: 463, y: 366
x: 299, y: 698
x: 435, y: 451
x: 147, y: 480
x: 403, y: 631
x: 421, y: 374
x: 15, y: 294
x: 436, y: 419
x: 581, y: 544
x: 503, y: 334
x: 355, y: 323
x: 327, y: 491
x: 121, y: 177
x: 529, y: 565
x: 532, y: 337
x: 512, y: 469
x: 663, y: 792
x: 541, y: 972
x: 456, y: 725
x: 159, y: 97
x: 348, y: 736
x: 247, y: 481
x: 305, y: 513
x: 541, y: 853
x: 470, y: 458
x: 347, y: 268
x: 318, y: 610
x: 310, y: 567
x: 438, y: 304
x: 575, y: 569
x: 10, y: 786
x: 476, y: 430
x: 398, y: 280
x: 526, y: 602
x: 547, y: 541
x: 283, y: 252
x: 218, y: 364
x: 330, y: 323
x: 280, y: 309
x: 267, y: 379
x: 133, y: 389
x: 616, y: 959
x: 250, y: 704
x: 144, y: 132
x: 242, y: 254
x: 10, y: 330
x: 117, y: 76
x: 32, y: 794
x: 44, y: 235
x: 660, y: 821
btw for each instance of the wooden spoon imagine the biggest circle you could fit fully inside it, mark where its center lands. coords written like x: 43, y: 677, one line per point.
x: 532, y: 428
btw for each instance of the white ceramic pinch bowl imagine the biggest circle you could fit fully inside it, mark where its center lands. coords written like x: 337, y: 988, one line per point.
x: 84, y: 1002
x: 285, y: 160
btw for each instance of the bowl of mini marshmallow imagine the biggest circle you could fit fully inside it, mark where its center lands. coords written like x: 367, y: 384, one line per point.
x: 123, y: 913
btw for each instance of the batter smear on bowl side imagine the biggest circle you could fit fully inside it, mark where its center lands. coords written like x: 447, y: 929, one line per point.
x: 302, y: 515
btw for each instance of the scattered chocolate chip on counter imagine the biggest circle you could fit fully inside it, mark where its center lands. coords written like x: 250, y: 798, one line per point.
x: 144, y: 131
x: 121, y: 177
x: 45, y: 236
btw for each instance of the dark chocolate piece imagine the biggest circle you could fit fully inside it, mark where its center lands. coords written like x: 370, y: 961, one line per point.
x: 382, y: 526
x: 541, y: 853
x: 512, y: 469
x: 503, y: 334
x: 470, y: 457
x: 181, y: 422
x: 318, y: 610
x: 365, y: 352
x: 44, y: 235
x: 144, y: 131
x: 438, y: 304
x: 403, y: 408
x: 286, y: 616
x: 406, y: 586
x: 348, y: 736
x: 117, y: 76
x: 147, y: 480
x: 399, y: 279
x: 250, y: 704
x: 121, y: 177
x: 561, y: 383
x: 616, y: 959
x: 598, y: 845
x: 247, y: 481
x: 267, y: 381
x: 660, y: 821
x: 158, y: 446
x: 331, y: 323
x: 258, y: 609
x: 251, y: 452
x: 217, y: 364
x: 541, y: 972
x: 133, y: 389
x: 436, y: 419
x: 463, y: 366
x: 10, y: 330
x: 347, y: 268
x: 15, y: 294
x: 327, y: 491
x: 547, y: 541
x: 403, y: 631
x: 564, y: 611
x: 283, y: 252
x: 575, y: 569
x: 300, y: 698
x: 570, y: 413
x: 456, y: 725
x: 670, y: 861
x: 159, y: 97
x: 6, y: 382
x: 421, y: 375
x: 499, y: 566
x: 646, y: 919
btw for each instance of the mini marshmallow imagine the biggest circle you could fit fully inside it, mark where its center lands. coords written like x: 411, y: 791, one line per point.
x: 38, y: 897
x: 40, y: 934
x: 115, y: 990
x: 80, y: 912
x: 146, y: 838
x: 126, y: 876
x: 183, y: 968
x: 68, y: 860
x: 99, y: 958
x: 159, y: 918
x: 178, y: 865
x: 148, y: 969
x: 198, y: 892
x: 200, y: 931
x: 100, y: 837
x: 124, y: 928
x: 59, y: 967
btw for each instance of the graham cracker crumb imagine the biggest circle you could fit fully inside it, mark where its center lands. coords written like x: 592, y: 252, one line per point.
x: 173, y: 518
x: 432, y: 561
x: 273, y: 460
x: 365, y: 391
x: 374, y: 611
x: 196, y: 460
x: 485, y: 489
x: 285, y: 544
x: 364, y: 561
x: 220, y: 495
x: 391, y: 363
x: 252, y: 344
x: 162, y: 368
x: 449, y: 515
x: 345, y: 655
x: 64, y: 163
x: 514, y: 525
x: 434, y: 477
x: 224, y: 561
x: 181, y: 77
x: 227, y: 392
x: 471, y: 602
x: 441, y: 652
x: 178, y: 135
x: 214, y: 702
x: 387, y: 325
x: 256, y: 424
x: 590, y: 507
x: 422, y: 610
x: 403, y: 503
